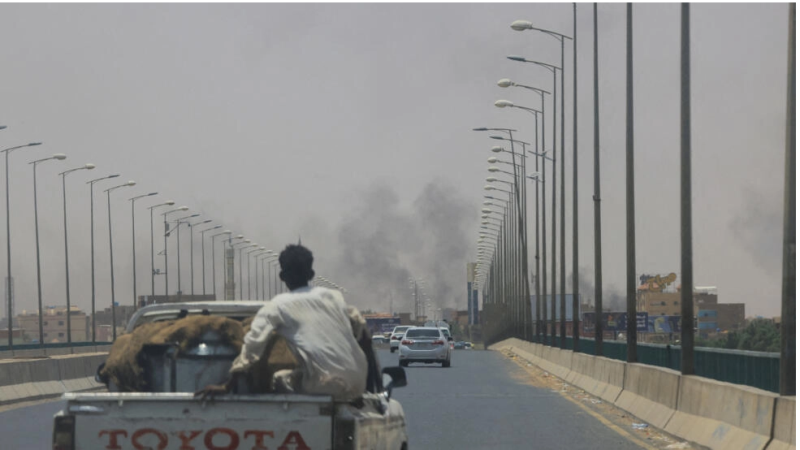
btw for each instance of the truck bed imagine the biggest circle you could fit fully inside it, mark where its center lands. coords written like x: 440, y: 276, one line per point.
x: 167, y: 421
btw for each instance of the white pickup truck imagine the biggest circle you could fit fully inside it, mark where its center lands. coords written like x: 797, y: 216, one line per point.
x: 173, y: 419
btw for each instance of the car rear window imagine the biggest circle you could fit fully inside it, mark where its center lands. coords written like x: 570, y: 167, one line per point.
x: 422, y: 333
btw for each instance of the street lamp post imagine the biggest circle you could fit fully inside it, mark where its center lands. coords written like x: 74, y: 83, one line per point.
x: 246, y: 243
x: 191, y: 249
x: 255, y: 256
x: 214, y: 260
x: 598, y: 259
x: 521, y: 25
x: 9, y: 288
x: 111, y: 253
x: 133, y: 240
x: 91, y: 219
x: 152, y: 248
x: 520, y: 227
x: 275, y: 279
x: 228, y: 264
x: 264, y: 279
x: 166, y: 261
x: 203, y: 252
x: 249, y: 273
x: 629, y: 197
x: 177, y: 228
x: 554, y: 70
x: 60, y: 157
x: 66, y: 248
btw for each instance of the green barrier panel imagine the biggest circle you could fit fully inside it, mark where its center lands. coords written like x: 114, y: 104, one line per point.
x: 756, y: 369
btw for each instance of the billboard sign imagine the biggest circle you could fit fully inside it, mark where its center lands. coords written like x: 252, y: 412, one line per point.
x: 382, y: 325
x: 615, y: 321
x: 664, y: 324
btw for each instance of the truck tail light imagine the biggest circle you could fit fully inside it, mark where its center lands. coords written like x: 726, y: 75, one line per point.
x: 64, y: 433
x: 395, y: 338
x: 406, y: 342
x: 439, y: 342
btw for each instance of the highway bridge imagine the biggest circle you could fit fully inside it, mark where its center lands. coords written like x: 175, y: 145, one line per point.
x: 514, y: 395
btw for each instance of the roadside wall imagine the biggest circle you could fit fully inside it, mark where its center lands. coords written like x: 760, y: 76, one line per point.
x: 45, y: 377
x: 708, y: 412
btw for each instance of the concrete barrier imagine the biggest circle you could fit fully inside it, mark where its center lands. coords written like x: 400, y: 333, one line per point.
x: 650, y: 393
x: 711, y: 413
x: 722, y: 415
x: 601, y: 377
x: 556, y: 361
x: 784, y: 427
x: 34, y: 379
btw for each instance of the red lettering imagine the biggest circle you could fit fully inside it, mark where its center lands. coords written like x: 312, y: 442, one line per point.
x: 186, y: 440
x: 294, y: 438
x: 162, y: 439
x: 259, y: 444
x: 112, y: 438
x: 233, y: 439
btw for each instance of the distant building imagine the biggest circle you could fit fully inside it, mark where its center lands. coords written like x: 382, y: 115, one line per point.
x: 658, y: 303
x: 405, y: 318
x: 462, y: 318
x: 54, y: 324
x: 19, y: 337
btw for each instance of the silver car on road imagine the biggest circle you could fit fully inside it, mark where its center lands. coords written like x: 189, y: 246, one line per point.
x: 425, y: 345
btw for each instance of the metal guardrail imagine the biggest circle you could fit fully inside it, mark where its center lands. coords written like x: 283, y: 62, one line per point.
x: 757, y: 369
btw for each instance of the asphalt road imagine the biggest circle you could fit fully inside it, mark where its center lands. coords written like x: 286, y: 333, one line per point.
x: 482, y: 402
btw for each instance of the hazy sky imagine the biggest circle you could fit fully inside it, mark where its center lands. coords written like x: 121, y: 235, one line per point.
x: 349, y: 125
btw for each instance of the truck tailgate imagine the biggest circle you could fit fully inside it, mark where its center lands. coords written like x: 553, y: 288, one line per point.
x: 167, y: 421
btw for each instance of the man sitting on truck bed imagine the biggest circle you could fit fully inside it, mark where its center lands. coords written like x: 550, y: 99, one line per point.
x: 321, y: 331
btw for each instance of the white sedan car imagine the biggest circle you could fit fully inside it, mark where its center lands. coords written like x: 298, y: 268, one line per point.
x: 397, y: 335
x: 425, y: 345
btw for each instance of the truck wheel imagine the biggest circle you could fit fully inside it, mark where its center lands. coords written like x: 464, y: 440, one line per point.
x: 446, y: 363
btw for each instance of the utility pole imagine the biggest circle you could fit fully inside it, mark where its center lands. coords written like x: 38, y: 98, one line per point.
x: 598, y: 258
x: 629, y: 197
x: 575, y: 296
x: 687, y: 277
x: 788, y: 299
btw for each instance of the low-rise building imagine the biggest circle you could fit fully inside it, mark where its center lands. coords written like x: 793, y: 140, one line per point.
x: 54, y: 324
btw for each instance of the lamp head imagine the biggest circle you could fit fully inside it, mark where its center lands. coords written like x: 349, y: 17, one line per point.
x: 503, y: 103
x: 505, y: 82
x: 521, y: 25
x: 60, y: 156
x: 89, y: 166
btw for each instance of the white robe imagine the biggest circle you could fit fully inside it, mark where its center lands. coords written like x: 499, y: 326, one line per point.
x: 320, y: 329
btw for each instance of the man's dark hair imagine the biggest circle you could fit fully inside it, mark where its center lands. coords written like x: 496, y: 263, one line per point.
x: 296, y: 262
